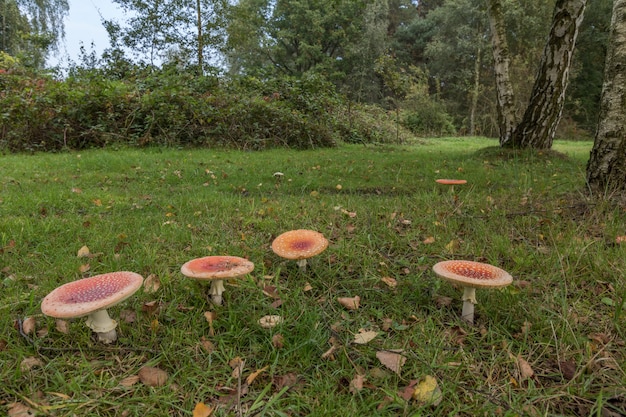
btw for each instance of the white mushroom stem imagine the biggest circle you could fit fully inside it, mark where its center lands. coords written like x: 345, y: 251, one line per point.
x: 301, y: 264
x: 216, y: 290
x: 103, y: 325
x: 469, y: 300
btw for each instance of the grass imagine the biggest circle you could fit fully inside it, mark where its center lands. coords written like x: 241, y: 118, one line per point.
x: 149, y: 211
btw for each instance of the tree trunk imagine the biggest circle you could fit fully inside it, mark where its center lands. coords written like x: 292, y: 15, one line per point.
x: 200, y: 44
x: 504, y: 87
x: 606, y: 169
x: 475, y: 92
x: 542, y: 116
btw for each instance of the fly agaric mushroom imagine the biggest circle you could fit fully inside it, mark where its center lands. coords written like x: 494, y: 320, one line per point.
x: 299, y: 245
x: 217, y: 269
x: 91, y: 297
x: 471, y: 275
x: 447, y: 181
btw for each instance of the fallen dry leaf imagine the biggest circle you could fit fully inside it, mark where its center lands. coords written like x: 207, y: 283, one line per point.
x: 364, y: 337
x: 210, y: 316
x: 152, y: 376
x: 83, y: 252
x: 129, y: 381
x: 151, y: 284
x: 350, y: 303
x: 250, y: 379
x: 202, y: 410
x: 207, y: 345
x: 237, y: 364
x: 28, y: 325
x: 391, y: 359
x: 29, y: 363
x: 84, y: 268
x: 62, y: 326
x: 356, y: 385
x: 278, y: 341
x: 307, y: 287
x: 525, y: 370
x: 429, y: 240
x: 330, y: 353
x: 453, y: 246
x: 427, y: 392
x: 20, y: 410
x: 267, y: 322
x: 391, y: 282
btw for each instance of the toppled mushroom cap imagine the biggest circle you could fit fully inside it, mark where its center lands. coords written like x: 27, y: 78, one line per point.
x: 216, y: 267
x: 448, y: 181
x: 84, y: 296
x: 473, y: 274
x: 299, y: 244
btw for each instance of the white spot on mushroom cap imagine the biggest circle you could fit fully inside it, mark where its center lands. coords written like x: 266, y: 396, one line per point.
x: 81, y: 297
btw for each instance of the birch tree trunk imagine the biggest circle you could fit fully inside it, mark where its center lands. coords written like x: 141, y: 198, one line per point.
x: 504, y: 87
x: 541, y: 118
x: 606, y: 169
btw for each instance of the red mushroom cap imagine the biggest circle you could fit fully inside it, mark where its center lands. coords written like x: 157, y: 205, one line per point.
x: 472, y: 274
x: 448, y: 181
x: 84, y: 296
x: 217, y: 267
x: 299, y: 244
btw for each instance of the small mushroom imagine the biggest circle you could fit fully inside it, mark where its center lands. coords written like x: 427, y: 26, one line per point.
x: 471, y: 275
x: 299, y: 245
x: 217, y: 269
x: 91, y: 297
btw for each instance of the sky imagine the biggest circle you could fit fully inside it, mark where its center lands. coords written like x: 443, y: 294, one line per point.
x: 83, y: 24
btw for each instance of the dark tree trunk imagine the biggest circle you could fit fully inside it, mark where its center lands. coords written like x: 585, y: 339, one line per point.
x: 538, y: 126
x: 200, y: 43
x: 606, y: 169
x: 504, y: 87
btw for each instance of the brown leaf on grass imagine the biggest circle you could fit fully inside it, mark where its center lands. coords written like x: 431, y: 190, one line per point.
x: 568, y: 369
x: 254, y: 375
x: 363, y: 337
x: 62, y: 326
x: 19, y: 410
x: 525, y: 370
x: 442, y: 301
x: 29, y: 363
x: 76, y: 190
x: 128, y: 316
x: 129, y: 381
x: 407, y: 392
x: 151, y: 284
x: 307, y: 287
x: 84, y: 268
x: 350, y: 303
x: 356, y: 385
x: 330, y: 353
x: 28, y: 325
x: 288, y: 380
x: 3, y: 345
x: 202, y: 410
x: 429, y: 240
x: 237, y: 364
x: 391, y: 282
x: 270, y: 291
x: 391, y: 359
x: 620, y: 239
x: 277, y: 303
x: 210, y: 316
x: 207, y: 345
x: 83, y: 252
x: 278, y: 341
x: 152, y: 376
x: 456, y: 334
x: 600, y: 338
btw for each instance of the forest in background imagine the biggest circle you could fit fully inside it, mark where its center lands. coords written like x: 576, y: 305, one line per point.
x: 258, y: 73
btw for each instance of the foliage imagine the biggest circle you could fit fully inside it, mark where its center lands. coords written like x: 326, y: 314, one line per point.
x: 95, y: 108
x: 550, y: 344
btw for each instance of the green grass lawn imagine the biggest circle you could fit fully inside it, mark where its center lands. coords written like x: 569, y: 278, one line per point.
x: 550, y: 344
